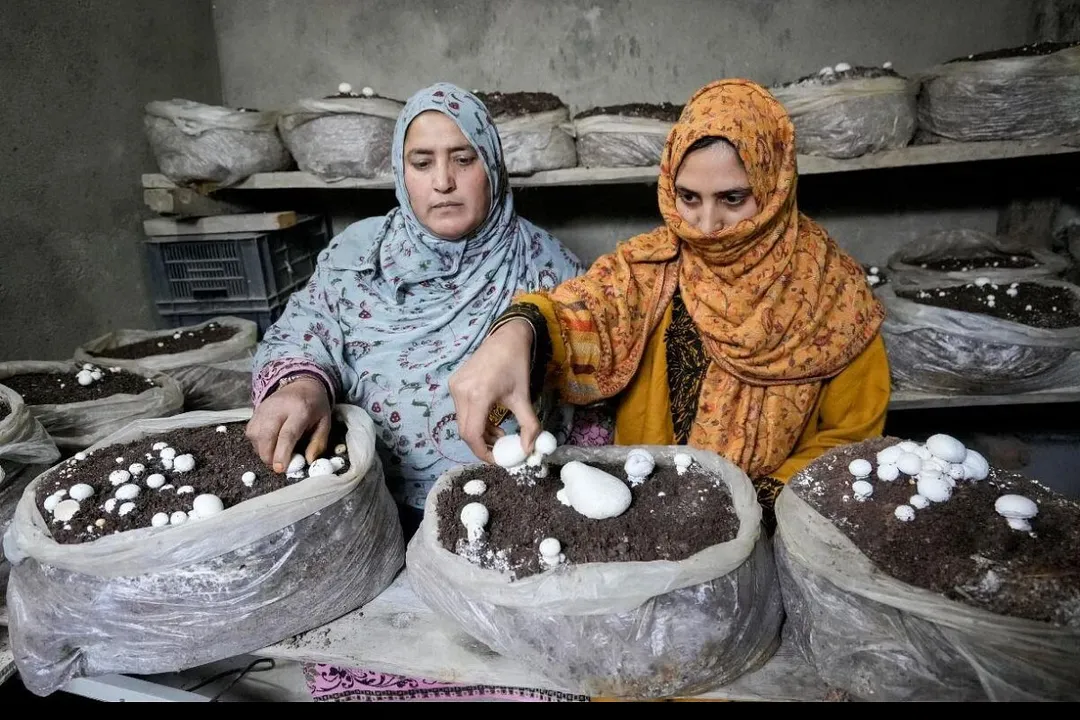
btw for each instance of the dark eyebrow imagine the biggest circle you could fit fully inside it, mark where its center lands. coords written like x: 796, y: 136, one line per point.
x: 681, y: 189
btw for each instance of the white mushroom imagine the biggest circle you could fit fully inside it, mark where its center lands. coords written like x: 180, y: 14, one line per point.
x: 909, y: 463
x: 888, y: 473
x: 119, y: 477
x: 136, y: 469
x: 184, y: 463
x: 296, y: 464
x: 84, y: 377
x: 475, y: 487
x: 206, y: 505
x: 182, y: 490
x: 545, y: 443
x: 904, y: 513
x: 918, y: 501
x: 934, y: 488
x: 322, y: 466
x: 159, y: 519
x: 367, y: 92
x: 81, y: 491
x: 862, y: 490
x: 155, y: 481
x: 474, y: 517
x: 842, y: 67
x: 248, y: 478
x: 344, y: 88
x: 337, y: 462
x: 594, y: 493
x: 221, y: 429
x: 110, y: 504
x: 682, y: 462
x: 975, y: 466
x: 66, y: 509
x: 341, y: 449
x: 178, y: 518
x: 125, y: 508
x: 639, y: 464
x: 52, y: 501
x: 551, y: 552
x: 1017, y: 509
x: 508, y: 452
x: 167, y: 453
x: 889, y: 455
x: 946, y: 447
x: 159, y: 446
x: 129, y: 491
x: 860, y: 468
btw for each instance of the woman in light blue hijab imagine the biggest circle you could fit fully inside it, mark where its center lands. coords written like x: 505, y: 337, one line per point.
x: 397, y: 302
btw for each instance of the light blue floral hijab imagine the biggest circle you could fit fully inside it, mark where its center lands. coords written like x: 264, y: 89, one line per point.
x: 412, y: 307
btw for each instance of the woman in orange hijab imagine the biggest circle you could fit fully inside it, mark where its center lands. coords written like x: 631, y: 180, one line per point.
x: 739, y: 326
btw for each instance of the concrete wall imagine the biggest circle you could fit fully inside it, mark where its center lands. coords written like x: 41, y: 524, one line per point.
x: 615, y: 51
x: 75, y: 77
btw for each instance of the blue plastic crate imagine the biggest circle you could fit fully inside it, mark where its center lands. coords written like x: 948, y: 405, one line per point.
x: 250, y: 271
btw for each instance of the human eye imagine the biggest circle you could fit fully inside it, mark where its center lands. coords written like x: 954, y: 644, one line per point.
x: 687, y: 197
x: 734, y: 199
x: 465, y: 159
x: 421, y: 164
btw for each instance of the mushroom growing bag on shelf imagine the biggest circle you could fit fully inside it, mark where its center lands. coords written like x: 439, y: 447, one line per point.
x: 77, y: 425
x: 1006, y: 98
x: 935, y: 349
x: 23, y: 440
x: 538, y: 141
x: 851, y: 117
x: 882, y: 639
x: 161, y: 599
x: 969, y: 244
x: 216, y: 376
x: 618, y: 629
x: 338, y: 138
x: 193, y: 142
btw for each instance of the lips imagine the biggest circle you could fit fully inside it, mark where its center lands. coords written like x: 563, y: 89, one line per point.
x: 446, y: 205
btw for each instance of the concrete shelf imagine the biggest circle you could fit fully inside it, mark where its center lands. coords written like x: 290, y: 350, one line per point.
x: 913, y: 156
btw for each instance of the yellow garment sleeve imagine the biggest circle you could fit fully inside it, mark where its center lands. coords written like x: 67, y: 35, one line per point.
x: 851, y: 408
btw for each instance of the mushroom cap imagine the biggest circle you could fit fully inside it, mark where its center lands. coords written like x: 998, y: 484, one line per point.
x: 545, y: 443
x: 1016, y: 506
x: 475, y: 515
x: 904, y: 513
x: 550, y: 547
x: 946, y: 447
x: 508, y: 452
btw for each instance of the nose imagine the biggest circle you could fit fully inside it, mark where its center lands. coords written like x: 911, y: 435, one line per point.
x: 711, y: 220
x: 443, y: 180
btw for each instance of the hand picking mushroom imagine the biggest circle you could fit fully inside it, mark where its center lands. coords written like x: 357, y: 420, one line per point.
x: 509, y: 454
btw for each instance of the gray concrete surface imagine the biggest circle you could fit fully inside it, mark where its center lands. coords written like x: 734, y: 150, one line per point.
x: 75, y: 77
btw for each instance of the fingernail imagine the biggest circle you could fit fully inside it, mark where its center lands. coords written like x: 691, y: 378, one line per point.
x: 278, y: 467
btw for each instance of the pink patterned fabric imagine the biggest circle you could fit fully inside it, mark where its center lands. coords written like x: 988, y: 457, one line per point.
x: 593, y: 426
x: 329, y: 683
x: 269, y: 375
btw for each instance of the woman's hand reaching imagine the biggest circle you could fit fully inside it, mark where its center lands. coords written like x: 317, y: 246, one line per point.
x: 497, y: 373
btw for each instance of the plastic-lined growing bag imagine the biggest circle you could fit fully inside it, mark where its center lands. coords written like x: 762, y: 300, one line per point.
x: 78, y: 425
x: 216, y: 376
x: 941, y: 349
x: 849, y: 117
x: 23, y: 439
x: 613, y: 140
x: 341, y: 137
x: 1016, y: 94
x: 973, y: 246
x: 629, y: 629
x: 194, y: 143
x: 162, y: 599
x: 883, y: 639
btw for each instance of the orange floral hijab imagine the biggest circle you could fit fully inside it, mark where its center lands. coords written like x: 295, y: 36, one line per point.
x: 780, y: 308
